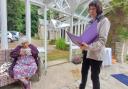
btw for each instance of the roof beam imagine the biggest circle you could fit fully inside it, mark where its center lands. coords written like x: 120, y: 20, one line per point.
x: 41, y: 4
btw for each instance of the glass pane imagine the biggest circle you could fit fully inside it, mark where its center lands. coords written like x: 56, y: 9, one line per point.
x: 81, y: 7
x: 48, y: 1
x: 85, y: 13
x: 64, y: 4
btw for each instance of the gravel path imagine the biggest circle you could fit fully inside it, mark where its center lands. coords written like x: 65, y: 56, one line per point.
x: 67, y: 76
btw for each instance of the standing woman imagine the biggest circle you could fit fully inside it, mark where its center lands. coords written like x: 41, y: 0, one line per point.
x: 93, y: 59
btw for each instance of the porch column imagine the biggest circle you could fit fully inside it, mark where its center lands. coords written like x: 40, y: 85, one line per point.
x: 71, y: 30
x: 46, y: 36
x: 3, y: 21
x: 28, y: 19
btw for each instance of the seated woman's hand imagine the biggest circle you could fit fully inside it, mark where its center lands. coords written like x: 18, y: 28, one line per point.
x: 22, y: 53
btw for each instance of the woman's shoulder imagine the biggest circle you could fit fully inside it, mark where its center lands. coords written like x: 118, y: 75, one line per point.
x: 104, y: 20
x: 31, y: 45
x: 18, y: 46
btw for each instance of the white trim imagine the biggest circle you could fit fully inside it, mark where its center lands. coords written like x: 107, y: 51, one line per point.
x: 3, y: 28
x: 85, y: 7
x: 28, y: 19
x: 45, y: 41
x: 71, y: 30
x: 41, y: 4
x: 67, y: 3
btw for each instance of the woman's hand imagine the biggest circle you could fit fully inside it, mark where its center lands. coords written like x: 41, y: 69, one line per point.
x: 83, y: 46
x: 22, y: 53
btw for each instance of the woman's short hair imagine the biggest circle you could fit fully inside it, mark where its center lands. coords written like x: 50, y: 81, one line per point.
x: 98, y: 6
x: 23, y: 39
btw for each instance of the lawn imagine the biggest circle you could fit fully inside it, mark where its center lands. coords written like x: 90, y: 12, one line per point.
x: 58, y: 55
x: 53, y: 53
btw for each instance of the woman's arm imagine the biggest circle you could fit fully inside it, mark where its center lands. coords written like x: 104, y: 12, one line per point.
x: 16, y: 52
x: 34, y: 50
x: 103, y: 34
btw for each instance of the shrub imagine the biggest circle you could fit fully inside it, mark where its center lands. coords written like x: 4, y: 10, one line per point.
x: 60, y: 44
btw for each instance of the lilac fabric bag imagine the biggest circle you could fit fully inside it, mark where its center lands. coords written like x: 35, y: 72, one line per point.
x: 88, y: 36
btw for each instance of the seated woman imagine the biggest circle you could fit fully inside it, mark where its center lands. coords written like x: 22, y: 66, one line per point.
x: 25, y: 67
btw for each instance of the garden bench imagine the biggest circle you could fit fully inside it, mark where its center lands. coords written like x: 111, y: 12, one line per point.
x: 5, y: 79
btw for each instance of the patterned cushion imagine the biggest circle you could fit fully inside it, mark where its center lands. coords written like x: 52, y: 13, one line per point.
x: 5, y: 79
x: 2, y: 56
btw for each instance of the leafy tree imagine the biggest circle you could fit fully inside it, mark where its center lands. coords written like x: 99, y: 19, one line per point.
x: 15, y: 10
x: 123, y: 4
x: 122, y: 33
x: 123, y: 36
x: 52, y: 14
x: 16, y: 16
x: 120, y: 8
x: 34, y: 17
x: 119, y: 28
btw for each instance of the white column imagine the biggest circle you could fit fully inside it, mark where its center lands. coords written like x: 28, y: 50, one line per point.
x: 54, y: 34
x: 66, y: 37
x: 45, y: 40
x: 71, y: 30
x: 28, y: 19
x: 59, y: 33
x: 75, y: 29
x: 3, y: 28
x: 82, y: 28
x: 78, y: 27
